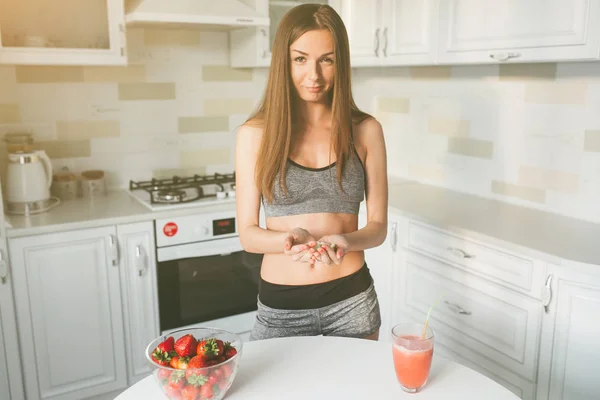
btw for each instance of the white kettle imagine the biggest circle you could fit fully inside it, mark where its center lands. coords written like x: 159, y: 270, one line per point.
x: 28, y: 181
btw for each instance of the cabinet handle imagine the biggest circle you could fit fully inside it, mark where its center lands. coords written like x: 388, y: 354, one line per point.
x: 140, y: 260
x: 547, y: 295
x: 265, y: 53
x: 385, y: 41
x: 456, y: 308
x: 377, y: 42
x: 460, y: 253
x: 504, y: 56
x: 3, y: 268
x: 394, y: 235
x: 114, y: 248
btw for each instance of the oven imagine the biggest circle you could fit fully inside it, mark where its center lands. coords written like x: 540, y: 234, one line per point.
x: 204, y: 276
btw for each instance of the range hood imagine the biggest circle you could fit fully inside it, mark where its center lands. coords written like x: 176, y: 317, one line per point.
x: 202, y: 14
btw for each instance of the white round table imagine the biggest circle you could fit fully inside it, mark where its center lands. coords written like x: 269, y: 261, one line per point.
x: 334, y: 368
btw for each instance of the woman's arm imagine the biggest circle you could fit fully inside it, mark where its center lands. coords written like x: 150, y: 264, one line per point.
x: 369, y: 135
x: 255, y: 239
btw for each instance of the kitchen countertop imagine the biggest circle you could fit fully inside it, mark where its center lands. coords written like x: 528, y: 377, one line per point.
x: 543, y: 232
x: 117, y: 207
x: 552, y: 234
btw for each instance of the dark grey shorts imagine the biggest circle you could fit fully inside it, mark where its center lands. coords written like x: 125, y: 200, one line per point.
x: 357, y: 316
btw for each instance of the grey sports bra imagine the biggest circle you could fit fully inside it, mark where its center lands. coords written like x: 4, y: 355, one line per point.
x: 316, y: 190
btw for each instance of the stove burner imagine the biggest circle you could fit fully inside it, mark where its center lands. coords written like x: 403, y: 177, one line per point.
x: 184, y: 189
x: 170, y: 195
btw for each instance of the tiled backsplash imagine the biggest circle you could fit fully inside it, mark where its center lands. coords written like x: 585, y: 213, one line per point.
x: 174, y: 109
x: 522, y: 133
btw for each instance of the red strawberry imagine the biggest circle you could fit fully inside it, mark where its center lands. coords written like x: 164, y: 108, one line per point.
x: 218, y: 373
x: 163, y: 374
x: 173, y: 393
x: 227, y: 370
x: 186, y: 345
x: 190, y: 392
x: 210, y: 348
x: 230, y: 352
x: 177, y: 379
x: 206, y: 391
x: 179, y: 362
x: 220, y: 347
x: 162, y: 353
x: 196, y: 362
x: 212, y: 379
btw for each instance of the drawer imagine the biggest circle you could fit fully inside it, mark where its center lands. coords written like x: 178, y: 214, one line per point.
x: 496, y: 325
x: 472, y: 256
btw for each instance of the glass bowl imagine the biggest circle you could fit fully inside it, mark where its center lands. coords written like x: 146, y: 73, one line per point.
x: 196, y: 364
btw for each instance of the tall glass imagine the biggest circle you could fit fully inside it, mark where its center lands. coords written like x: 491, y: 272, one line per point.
x: 412, y: 355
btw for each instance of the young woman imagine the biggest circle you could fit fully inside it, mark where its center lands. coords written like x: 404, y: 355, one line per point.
x: 310, y: 155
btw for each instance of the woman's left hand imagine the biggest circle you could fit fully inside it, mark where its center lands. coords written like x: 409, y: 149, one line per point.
x: 332, y: 251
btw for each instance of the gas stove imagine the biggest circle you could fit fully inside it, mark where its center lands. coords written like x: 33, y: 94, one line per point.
x: 179, y: 192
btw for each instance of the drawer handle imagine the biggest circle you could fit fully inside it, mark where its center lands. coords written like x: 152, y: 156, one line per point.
x: 457, y: 309
x: 460, y: 253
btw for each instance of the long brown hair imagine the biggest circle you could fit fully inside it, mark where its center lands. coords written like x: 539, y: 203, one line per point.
x: 276, y: 112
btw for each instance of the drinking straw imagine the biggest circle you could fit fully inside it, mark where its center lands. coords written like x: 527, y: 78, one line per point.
x: 428, y: 314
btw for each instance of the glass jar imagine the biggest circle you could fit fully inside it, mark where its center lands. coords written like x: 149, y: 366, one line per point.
x: 17, y: 143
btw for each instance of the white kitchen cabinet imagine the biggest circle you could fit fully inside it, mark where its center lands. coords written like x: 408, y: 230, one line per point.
x: 381, y: 261
x: 62, y: 32
x: 475, y: 31
x: 570, y: 342
x: 390, y: 32
x: 69, y: 314
x: 251, y: 47
x: 11, y: 379
x: 138, y: 285
x: 489, y: 313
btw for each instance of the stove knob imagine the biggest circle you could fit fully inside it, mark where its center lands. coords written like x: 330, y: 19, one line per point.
x: 231, y: 194
x: 221, y: 195
x: 202, y: 231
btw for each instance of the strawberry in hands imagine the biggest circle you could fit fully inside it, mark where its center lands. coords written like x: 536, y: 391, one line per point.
x: 331, y: 249
x: 162, y: 353
x: 299, y: 244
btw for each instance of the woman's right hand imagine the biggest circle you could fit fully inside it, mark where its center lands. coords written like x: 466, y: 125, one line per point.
x: 299, y: 244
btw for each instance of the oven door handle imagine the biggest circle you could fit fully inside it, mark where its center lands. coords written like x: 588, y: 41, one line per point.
x: 201, y: 249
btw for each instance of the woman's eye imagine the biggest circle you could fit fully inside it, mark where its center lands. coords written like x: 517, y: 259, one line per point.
x: 300, y: 59
x: 328, y: 60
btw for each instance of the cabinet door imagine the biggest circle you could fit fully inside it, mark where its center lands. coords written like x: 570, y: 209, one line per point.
x: 69, y: 315
x: 570, y: 350
x: 11, y: 379
x: 380, y: 261
x: 363, y: 20
x: 138, y: 285
x: 62, y: 32
x: 409, y: 32
x: 474, y: 31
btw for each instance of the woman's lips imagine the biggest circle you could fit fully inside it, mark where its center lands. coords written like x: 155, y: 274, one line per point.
x: 313, y: 89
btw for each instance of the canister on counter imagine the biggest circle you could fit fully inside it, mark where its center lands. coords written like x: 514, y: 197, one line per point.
x: 93, y: 183
x: 64, y: 184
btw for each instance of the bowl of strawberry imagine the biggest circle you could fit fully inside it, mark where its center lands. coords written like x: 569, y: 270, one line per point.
x: 195, y: 363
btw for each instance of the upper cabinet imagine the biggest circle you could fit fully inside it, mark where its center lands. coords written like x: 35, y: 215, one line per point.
x: 62, y: 32
x: 251, y: 47
x: 390, y: 32
x: 475, y: 31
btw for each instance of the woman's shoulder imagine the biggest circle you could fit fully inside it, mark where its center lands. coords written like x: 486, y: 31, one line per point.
x: 367, y: 130
x: 251, y: 131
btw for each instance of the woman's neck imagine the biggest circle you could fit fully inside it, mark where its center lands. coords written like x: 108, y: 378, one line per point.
x: 314, y: 115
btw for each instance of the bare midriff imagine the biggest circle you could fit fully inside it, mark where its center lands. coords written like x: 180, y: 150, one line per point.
x: 281, y: 269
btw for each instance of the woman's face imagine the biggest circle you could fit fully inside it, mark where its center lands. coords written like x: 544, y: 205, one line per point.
x: 312, y: 65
